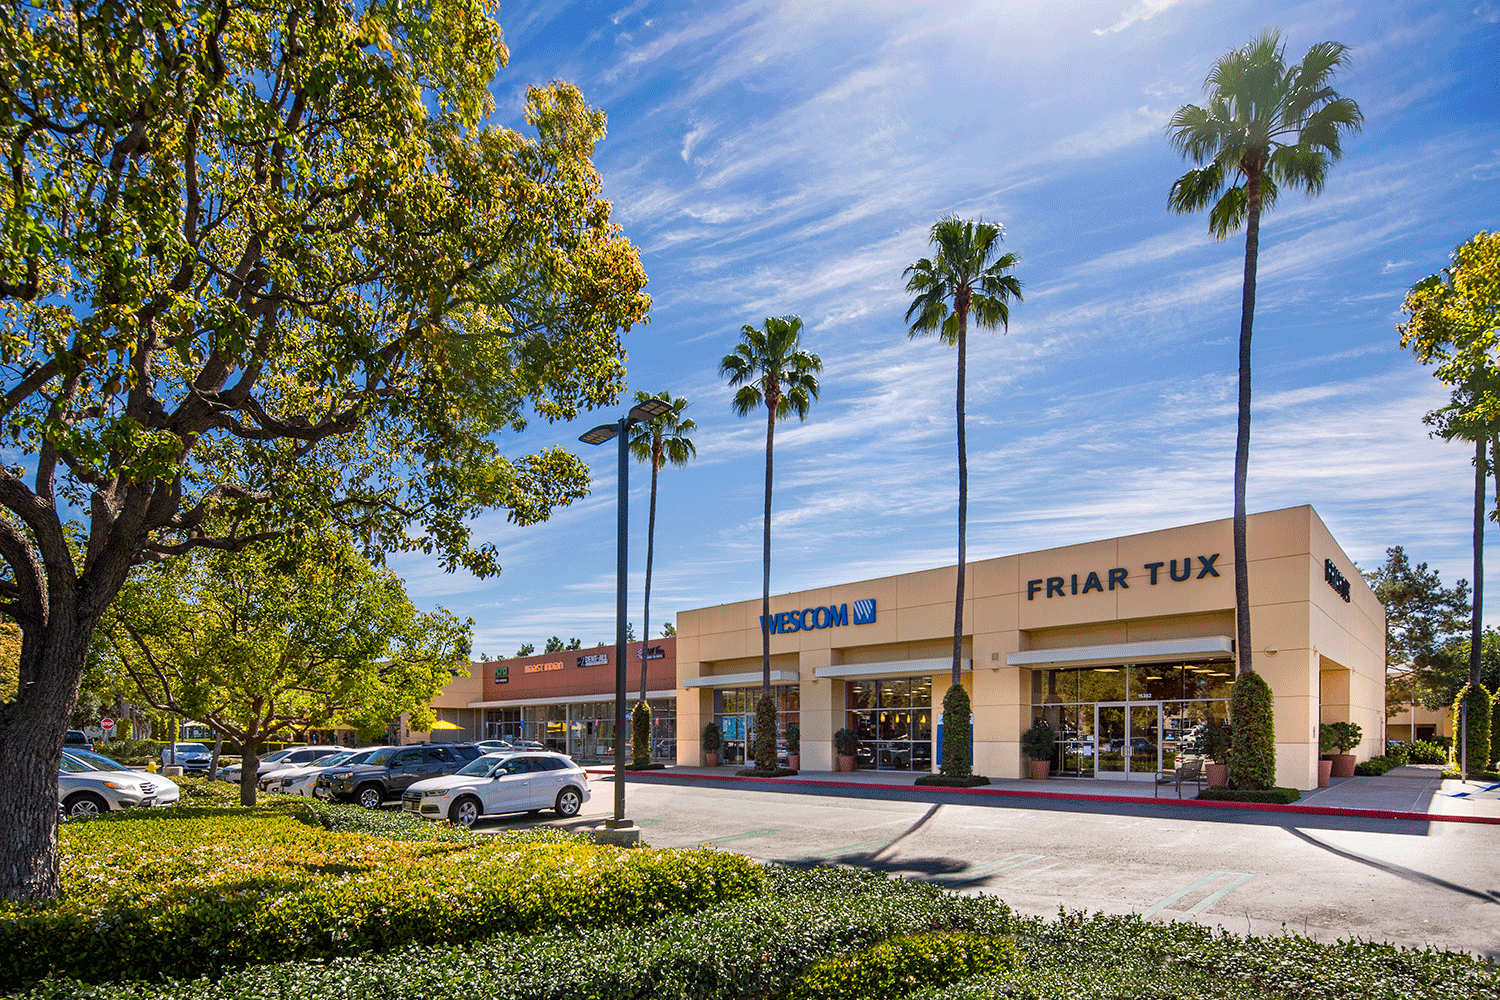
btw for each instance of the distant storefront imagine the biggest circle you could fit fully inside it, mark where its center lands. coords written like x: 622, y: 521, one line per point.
x: 1124, y: 646
x: 566, y: 700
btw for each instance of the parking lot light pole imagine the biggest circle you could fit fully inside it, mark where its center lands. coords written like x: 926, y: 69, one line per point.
x: 640, y: 413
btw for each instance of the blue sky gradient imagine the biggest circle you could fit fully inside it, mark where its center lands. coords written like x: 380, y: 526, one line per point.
x: 771, y: 159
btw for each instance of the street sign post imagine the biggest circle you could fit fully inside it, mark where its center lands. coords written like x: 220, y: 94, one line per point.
x: 108, y: 725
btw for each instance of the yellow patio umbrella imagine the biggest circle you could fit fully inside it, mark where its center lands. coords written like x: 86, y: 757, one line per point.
x: 445, y: 724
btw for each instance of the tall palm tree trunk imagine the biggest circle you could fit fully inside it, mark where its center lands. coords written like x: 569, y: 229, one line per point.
x: 650, y: 548
x: 963, y: 503
x: 1476, y: 631
x: 765, y: 593
x: 1242, y: 437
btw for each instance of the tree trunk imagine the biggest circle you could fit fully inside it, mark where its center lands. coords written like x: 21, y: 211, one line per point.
x: 963, y: 500
x: 765, y: 596
x: 213, y: 764
x: 1476, y: 631
x: 249, y: 764
x: 650, y: 552
x: 31, y: 735
x: 1243, y: 645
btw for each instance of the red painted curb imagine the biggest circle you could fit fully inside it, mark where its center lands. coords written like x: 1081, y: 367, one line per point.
x: 1131, y: 799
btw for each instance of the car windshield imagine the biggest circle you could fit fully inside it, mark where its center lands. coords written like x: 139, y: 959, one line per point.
x: 68, y: 764
x: 333, y: 758
x: 479, y: 768
x: 192, y: 748
x: 272, y: 758
x: 360, y: 757
x: 382, y: 755
x: 96, y: 761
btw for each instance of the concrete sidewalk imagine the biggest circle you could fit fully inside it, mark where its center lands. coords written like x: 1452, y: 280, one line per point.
x: 1416, y: 792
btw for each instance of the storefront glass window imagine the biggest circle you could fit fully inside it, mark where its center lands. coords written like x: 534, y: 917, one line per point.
x: 893, y: 719
x: 734, y: 711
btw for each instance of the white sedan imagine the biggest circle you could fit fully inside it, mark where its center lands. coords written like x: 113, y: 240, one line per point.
x: 501, y: 783
x: 89, y: 784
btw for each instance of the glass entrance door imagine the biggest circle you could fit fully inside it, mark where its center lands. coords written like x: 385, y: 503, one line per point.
x: 1128, y: 739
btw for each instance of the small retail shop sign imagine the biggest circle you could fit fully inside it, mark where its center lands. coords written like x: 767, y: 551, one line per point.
x: 593, y: 660
x: 1058, y: 586
x: 814, y: 618
x: 536, y: 668
x: 1335, y: 579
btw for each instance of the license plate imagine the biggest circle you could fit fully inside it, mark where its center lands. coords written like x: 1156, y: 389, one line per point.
x: 413, y: 805
x: 321, y: 792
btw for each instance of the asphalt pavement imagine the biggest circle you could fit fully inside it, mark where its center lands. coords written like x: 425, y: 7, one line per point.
x: 1418, y: 882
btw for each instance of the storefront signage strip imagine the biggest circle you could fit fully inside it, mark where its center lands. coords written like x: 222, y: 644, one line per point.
x: 1057, y: 586
x: 1335, y: 579
x: 809, y: 619
x: 593, y: 659
x: 536, y: 668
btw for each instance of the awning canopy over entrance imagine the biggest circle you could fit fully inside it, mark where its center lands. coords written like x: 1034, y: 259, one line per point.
x: 1154, y: 651
x: 890, y: 668
x: 742, y: 680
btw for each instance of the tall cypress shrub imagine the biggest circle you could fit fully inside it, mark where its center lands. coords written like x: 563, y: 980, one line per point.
x: 1252, y: 760
x: 640, y: 733
x: 957, y: 751
x: 765, y: 734
x: 1478, y: 699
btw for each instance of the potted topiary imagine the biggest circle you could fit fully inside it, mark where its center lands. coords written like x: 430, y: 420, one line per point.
x: 794, y: 746
x: 1339, y: 738
x: 713, y: 740
x: 846, y: 745
x: 1325, y: 751
x: 1037, y: 743
x: 1214, y: 744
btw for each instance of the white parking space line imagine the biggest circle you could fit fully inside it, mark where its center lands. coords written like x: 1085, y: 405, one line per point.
x: 1210, y: 900
x: 1162, y: 904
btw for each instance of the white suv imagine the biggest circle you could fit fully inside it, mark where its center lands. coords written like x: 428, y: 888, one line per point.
x: 501, y: 783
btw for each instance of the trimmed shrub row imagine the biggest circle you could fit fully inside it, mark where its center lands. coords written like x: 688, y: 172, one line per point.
x: 153, y: 898
x: 1375, y: 766
x: 1279, y: 796
x: 763, y: 947
x: 895, y: 966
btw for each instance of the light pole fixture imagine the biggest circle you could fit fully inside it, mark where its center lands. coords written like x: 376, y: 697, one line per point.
x: 640, y: 413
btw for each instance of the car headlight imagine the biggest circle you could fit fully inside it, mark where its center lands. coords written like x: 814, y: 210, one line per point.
x: 121, y: 786
x: 428, y: 793
x: 342, y: 774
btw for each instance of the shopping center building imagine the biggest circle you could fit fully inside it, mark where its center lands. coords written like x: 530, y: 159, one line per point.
x: 1124, y: 646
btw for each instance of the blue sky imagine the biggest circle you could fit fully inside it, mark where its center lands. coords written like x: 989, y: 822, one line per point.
x: 773, y: 159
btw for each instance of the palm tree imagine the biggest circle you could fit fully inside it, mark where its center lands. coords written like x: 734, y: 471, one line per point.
x: 772, y: 370
x: 664, y: 439
x: 966, y: 272
x: 1267, y: 125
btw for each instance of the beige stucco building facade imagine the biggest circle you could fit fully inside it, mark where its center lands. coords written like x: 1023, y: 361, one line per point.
x: 1124, y: 645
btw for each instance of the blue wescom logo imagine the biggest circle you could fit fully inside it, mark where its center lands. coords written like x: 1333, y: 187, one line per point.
x: 814, y: 618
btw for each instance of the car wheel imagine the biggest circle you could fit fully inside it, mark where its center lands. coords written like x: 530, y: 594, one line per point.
x: 464, y: 812
x: 85, y: 804
x: 369, y: 796
x: 569, y: 801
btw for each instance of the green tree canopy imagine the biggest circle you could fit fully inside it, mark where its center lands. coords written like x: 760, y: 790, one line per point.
x: 1424, y: 621
x: 257, y: 645
x: 264, y: 269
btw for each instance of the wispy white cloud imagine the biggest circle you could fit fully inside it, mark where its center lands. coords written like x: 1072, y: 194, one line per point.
x: 1143, y: 11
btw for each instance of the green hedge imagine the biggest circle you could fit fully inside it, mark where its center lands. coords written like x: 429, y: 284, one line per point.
x: 761, y: 947
x: 1376, y: 766
x: 1477, y: 746
x: 1279, y: 796
x: 958, y: 748
x: 1424, y: 752
x: 893, y: 968
x: 177, y: 895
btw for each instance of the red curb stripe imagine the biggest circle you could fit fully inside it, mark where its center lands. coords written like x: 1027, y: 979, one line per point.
x: 1065, y: 797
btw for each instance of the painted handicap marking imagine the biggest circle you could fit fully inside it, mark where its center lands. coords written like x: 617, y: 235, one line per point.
x: 747, y: 835
x: 1466, y: 794
x: 1162, y: 904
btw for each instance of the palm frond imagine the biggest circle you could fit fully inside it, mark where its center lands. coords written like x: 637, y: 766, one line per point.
x: 1196, y: 189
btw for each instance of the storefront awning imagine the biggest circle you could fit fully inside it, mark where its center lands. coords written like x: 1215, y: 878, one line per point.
x: 890, y: 668
x: 1154, y: 651
x: 742, y: 680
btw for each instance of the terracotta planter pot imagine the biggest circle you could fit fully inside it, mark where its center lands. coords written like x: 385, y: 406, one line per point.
x: 846, y: 763
x: 1218, y: 775
x: 794, y: 761
x: 1343, y: 765
x: 1325, y: 770
x: 1040, y: 769
x: 710, y: 760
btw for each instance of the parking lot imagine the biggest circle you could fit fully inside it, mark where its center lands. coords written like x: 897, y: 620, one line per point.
x: 1404, y: 882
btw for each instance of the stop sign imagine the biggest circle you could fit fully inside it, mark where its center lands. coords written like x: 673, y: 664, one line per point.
x: 106, y: 724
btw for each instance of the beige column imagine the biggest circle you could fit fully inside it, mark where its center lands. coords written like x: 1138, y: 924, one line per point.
x: 1293, y: 676
x: 1002, y: 705
x: 822, y: 710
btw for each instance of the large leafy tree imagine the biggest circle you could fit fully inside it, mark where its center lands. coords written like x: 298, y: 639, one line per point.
x: 658, y: 441
x: 1423, y: 620
x: 258, y: 645
x: 1267, y: 125
x: 771, y: 369
x: 263, y: 270
x: 966, y: 277
x: 1453, y: 322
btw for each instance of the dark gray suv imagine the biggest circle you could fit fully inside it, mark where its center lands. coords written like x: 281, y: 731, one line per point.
x: 386, y: 773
